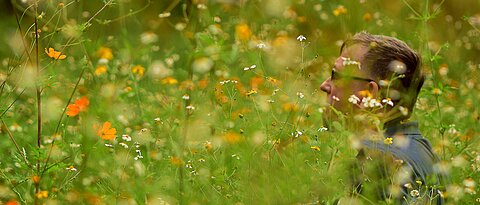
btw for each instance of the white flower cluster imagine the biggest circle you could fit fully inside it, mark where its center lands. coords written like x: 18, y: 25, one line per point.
x: 139, y: 153
x: 370, y: 102
x: 301, y: 38
x: 353, y: 99
x: 250, y: 68
x: 297, y: 134
x: 228, y: 81
x: 300, y: 95
x: 348, y: 61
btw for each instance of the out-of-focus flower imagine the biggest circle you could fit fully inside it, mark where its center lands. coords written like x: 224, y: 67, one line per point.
x: 169, y: 81
x: 176, y: 161
x: 367, y: 17
x: 71, y: 168
x: 388, y: 101
x: 105, y: 53
x: 101, y: 69
x: 315, y: 148
x: 57, y: 55
x: 388, y: 141
x: 164, y: 15
x: 148, y: 37
x: 339, y: 10
x: 106, y: 132
x: 77, y: 107
x: 202, y: 64
x: 139, y: 70
x: 243, y: 32
x: 35, y: 179
x: 12, y: 202
x: 232, y: 137
x: 353, y: 99
x: 41, y: 194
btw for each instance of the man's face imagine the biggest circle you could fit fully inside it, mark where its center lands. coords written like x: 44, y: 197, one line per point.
x: 349, y: 78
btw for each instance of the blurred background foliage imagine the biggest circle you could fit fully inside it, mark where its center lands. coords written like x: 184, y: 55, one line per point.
x: 221, y: 100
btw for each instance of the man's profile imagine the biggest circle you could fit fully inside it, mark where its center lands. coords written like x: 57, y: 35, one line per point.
x: 380, y: 76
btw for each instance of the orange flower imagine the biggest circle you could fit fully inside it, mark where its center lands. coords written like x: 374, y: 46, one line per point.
x: 105, y: 52
x: 176, y: 161
x: 101, y: 69
x: 77, y: 107
x: 232, y: 137
x: 54, y: 54
x: 107, y: 133
x: 169, y: 81
x: 12, y: 202
x: 243, y: 32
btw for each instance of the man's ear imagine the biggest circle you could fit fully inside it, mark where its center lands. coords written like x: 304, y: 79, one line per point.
x: 373, y: 88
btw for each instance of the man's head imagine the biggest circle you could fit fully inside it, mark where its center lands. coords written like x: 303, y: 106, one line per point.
x: 375, y: 66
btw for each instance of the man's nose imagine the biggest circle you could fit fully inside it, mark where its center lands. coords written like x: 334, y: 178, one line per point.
x: 326, y: 86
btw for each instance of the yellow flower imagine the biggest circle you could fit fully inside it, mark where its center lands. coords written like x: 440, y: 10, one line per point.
x: 388, y: 141
x: 365, y: 93
x: 139, y: 70
x: 54, y: 54
x: 232, y: 137
x: 315, y: 148
x: 339, y: 10
x: 243, y: 32
x: 105, y: 52
x: 101, y: 69
x: 437, y: 91
x: 251, y: 92
x: 176, y: 161
x: 42, y: 194
x: 169, y: 81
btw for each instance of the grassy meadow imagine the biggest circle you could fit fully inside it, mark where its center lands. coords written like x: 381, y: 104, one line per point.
x: 214, y: 101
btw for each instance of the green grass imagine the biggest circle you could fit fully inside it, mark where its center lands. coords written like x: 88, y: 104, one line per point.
x: 230, y: 141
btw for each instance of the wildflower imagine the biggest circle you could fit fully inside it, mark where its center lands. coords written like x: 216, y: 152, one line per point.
x: 186, y: 97
x: 336, y: 98
x: 339, y: 10
x: 12, y: 202
x: 105, y: 132
x: 367, y: 17
x: 348, y: 61
x: 388, y: 141
x: 261, y: 45
x: 301, y: 38
x: 232, y: 137
x: 41, y: 194
x: 321, y: 129
x: 414, y: 193
x: 108, y: 145
x: 190, y: 107
x: 251, y: 67
x: 57, y: 55
x: 251, y: 92
x: 139, y: 70
x: 101, y: 69
x: 105, y: 53
x: 353, y: 99
x: 126, y: 138
x: 297, y: 134
x: 71, y: 168
x: 208, y: 145
x: 243, y: 32
x: 164, y: 15
x: 124, y: 145
x: 202, y: 64
x: 388, y: 101
x: 176, y: 161
x: 365, y: 93
x: 72, y: 110
x: 436, y: 91
x: 300, y: 95
x: 35, y: 179
x: 77, y: 107
x: 315, y: 148
x: 169, y: 81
